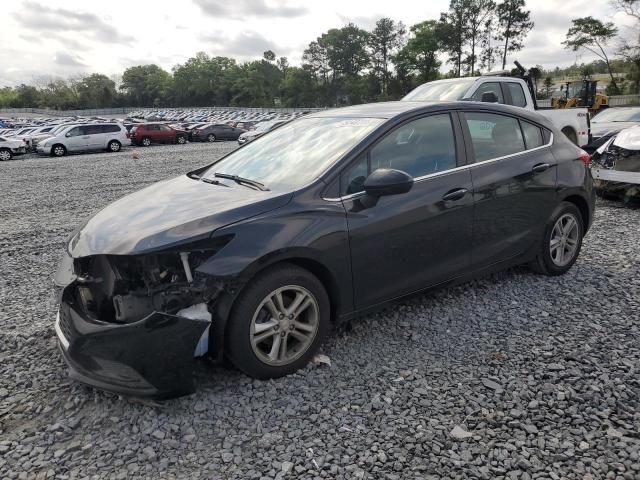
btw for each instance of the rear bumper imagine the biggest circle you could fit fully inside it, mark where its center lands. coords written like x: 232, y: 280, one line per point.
x: 149, y: 358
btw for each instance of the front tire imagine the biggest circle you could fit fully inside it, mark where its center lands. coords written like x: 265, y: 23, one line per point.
x: 146, y: 141
x: 58, y: 150
x: 562, y: 241
x: 278, y: 322
x: 114, y: 146
x: 211, y: 138
x: 5, y: 154
x: 181, y: 140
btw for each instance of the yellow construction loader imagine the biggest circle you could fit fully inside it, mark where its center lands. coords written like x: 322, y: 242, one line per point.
x: 581, y: 94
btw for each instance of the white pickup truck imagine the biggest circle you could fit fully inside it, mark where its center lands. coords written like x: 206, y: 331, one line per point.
x: 573, y: 122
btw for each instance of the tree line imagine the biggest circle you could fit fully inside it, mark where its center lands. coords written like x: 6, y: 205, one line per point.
x: 342, y: 66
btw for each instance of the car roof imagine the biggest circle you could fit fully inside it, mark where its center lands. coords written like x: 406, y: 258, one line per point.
x: 388, y: 110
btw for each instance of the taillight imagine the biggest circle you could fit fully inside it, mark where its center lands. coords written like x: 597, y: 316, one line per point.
x: 585, y: 157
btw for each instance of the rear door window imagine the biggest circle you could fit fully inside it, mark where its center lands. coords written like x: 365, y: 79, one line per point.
x: 532, y: 135
x: 487, y: 88
x: 517, y: 94
x: 493, y: 135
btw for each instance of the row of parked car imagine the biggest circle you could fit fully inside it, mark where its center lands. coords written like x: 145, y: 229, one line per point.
x: 57, y: 137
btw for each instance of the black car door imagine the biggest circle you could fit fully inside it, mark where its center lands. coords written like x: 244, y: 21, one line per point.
x: 420, y: 238
x: 514, y: 183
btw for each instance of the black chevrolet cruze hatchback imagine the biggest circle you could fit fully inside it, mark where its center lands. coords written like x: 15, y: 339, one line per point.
x: 253, y: 257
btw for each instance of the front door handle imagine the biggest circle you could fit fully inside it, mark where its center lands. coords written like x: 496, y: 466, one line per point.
x: 541, y: 167
x: 456, y: 194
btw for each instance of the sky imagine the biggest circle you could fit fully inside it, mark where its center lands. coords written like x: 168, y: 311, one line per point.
x: 40, y: 40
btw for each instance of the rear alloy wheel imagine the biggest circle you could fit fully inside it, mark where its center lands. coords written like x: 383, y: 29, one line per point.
x: 562, y: 241
x: 5, y: 154
x: 146, y: 141
x: 278, y: 322
x: 58, y: 150
x: 114, y: 146
x: 181, y: 140
x: 211, y: 138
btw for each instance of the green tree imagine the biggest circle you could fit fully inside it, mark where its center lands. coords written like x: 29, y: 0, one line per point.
x: 147, y: 85
x: 454, y: 28
x: 513, y: 26
x: 96, y: 91
x: 548, y: 84
x: 269, y: 56
x: 593, y: 35
x: 385, y: 39
x: 420, y: 54
x: 26, y: 96
x: 205, y: 81
x: 299, y: 88
x: 479, y: 16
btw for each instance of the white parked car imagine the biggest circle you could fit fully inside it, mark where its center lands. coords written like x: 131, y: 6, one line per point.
x: 10, y: 147
x: 96, y: 136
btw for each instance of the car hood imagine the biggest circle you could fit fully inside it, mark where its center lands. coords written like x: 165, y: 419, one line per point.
x: 167, y: 214
x: 12, y: 144
x: 600, y: 128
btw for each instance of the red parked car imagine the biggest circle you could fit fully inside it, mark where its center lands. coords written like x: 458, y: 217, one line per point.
x: 147, y: 133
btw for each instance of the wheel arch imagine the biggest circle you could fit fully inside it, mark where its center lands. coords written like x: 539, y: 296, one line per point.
x: 233, y: 288
x: 583, y: 208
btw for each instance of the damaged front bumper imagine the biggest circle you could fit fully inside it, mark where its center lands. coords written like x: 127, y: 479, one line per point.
x: 152, y: 357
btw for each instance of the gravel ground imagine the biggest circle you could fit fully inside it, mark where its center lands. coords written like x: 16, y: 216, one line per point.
x: 514, y: 376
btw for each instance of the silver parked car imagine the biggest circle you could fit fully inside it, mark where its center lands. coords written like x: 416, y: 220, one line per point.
x: 96, y: 136
x: 10, y: 147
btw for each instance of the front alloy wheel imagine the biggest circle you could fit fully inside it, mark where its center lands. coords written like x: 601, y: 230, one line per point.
x: 5, y: 155
x: 284, y: 325
x: 211, y: 137
x: 182, y: 140
x: 278, y: 322
x: 146, y: 142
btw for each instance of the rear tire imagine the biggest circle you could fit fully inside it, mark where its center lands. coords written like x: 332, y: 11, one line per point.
x: 211, y: 138
x: 58, y: 150
x: 561, y: 243
x: 114, y: 146
x: 5, y: 154
x: 268, y: 335
x: 146, y: 141
x: 181, y: 140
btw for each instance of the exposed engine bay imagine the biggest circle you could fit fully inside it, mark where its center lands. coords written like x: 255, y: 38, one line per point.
x: 616, y: 165
x: 125, y: 289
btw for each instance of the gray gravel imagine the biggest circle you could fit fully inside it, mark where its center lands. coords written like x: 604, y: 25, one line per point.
x: 515, y: 376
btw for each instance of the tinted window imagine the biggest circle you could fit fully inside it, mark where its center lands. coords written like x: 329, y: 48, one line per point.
x: 164, y: 128
x: 493, y: 135
x: 111, y: 128
x: 532, y: 135
x: 517, y: 94
x: 352, y: 178
x: 419, y: 147
x: 93, y: 129
x: 74, y: 132
x: 489, y: 87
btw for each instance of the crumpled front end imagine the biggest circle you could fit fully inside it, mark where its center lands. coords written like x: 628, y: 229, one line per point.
x: 616, y: 165
x: 133, y: 324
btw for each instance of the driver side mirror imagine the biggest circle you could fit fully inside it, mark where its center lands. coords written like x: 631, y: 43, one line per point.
x: 489, y: 97
x: 68, y: 134
x: 387, y: 181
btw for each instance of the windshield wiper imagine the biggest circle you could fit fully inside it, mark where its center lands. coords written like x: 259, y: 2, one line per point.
x: 206, y: 180
x: 242, y: 181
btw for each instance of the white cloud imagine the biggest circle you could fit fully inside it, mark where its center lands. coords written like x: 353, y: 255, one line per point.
x: 76, y: 36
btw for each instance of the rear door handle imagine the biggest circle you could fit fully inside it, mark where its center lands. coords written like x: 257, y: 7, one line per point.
x: 541, y: 167
x: 456, y: 194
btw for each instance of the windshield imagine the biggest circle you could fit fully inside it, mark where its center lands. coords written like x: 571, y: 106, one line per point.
x: 618, y: 115
x: 295, y: 154
x: 441, y: 91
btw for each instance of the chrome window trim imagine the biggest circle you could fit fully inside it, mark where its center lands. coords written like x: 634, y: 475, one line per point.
x: 452, y: 170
